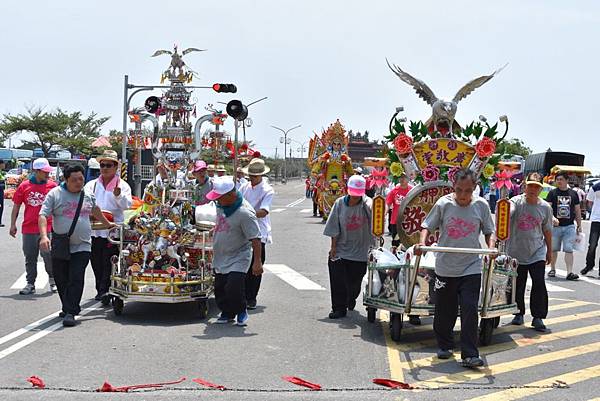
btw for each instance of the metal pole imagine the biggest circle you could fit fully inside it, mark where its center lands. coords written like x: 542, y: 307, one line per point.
x: 125, y: 107
x: 285, y: 156
x: 235, y: 148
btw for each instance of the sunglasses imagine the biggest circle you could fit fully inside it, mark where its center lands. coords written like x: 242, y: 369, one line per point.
x: 107, y: 165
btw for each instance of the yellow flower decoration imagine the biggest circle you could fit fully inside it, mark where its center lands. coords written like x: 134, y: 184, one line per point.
x: 488, y: 171
x: 396, y: 169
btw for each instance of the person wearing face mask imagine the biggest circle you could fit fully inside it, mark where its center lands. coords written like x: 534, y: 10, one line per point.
x: 236, y: 243
x: 460, y: 218
x: 349, y: 227
x: 32, y: 193
x: 70, y: 207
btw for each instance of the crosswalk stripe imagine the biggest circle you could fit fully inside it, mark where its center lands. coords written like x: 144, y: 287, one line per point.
x: 561, y: 273
x: 405, y: 347
x: 277, y: 210
x: 292, y: 277
x: 296, y: 202
x: 535, y: 387
x: 505, y: 346
x: 305, y: 210
x: 504, y: 367
x: 40, y: 283
x: 550, y: 287
x: 428, y: 327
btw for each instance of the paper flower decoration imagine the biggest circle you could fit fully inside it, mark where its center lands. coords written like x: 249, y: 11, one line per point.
x: 488, y: 171
x: 485, y: 147
x: 452, y: 173
x: 403, y: 144
x: 396, y: 169
x: 431, y: 173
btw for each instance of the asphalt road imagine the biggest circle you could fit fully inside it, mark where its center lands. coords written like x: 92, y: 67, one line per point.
x: 289, y: 334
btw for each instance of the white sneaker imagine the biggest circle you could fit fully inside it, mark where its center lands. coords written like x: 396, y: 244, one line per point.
x: 53, y: 288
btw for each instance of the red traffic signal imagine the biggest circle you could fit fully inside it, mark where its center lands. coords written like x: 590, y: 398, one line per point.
x: 224, y: 88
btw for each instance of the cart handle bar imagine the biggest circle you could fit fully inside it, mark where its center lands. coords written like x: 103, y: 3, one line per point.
x: 112, y: 241
x: 446, y: 249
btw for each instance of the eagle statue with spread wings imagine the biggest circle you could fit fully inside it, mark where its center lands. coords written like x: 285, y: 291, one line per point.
x: 177, y: 62
x: 443, y: 112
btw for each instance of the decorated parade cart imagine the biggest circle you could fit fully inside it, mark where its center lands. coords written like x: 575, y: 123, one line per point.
x: 165, y: 246
x: 330, y: 166
x: 430, y: 154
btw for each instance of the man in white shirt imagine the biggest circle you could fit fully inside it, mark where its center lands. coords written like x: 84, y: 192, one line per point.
x: 260, y: 195
x: 240, y: 178
x: 593, y: 200
x: 113, y: 195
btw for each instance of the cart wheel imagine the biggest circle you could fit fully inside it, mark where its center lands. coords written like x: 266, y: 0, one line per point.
x: 203, y: 308
x: 371, y: 314
x: 395, y: 326
x: 486, y: 328
x: 496, y: 322
x: 106, y: 300
x: 118, y: 306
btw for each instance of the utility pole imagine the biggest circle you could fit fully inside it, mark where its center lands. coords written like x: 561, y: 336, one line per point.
x: 286, y: 141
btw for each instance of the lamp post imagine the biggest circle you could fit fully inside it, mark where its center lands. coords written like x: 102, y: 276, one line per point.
x: 286, y: 141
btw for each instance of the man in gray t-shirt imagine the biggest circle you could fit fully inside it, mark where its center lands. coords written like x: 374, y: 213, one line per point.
x: 349, y: 226
x: 61, y: 203
x: 461, y: 219
x: 236, y: 237
x: 530, y: 243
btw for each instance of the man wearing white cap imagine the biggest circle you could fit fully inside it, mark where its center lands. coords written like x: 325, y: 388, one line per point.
x: 260, y: 195
x: 349, y: 226
x: 113, y: 195
x: 203, y: 183
x: 32, y: 192
x: 236, y: 239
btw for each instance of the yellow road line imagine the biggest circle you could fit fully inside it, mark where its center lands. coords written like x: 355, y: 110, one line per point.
x: 505, y: 346
x: 412, y: 346
x: 517, y: 393
x: 494, y: 370
x: 396, y: 372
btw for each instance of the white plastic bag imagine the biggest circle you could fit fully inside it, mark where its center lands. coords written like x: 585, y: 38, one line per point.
x: 579, y: 242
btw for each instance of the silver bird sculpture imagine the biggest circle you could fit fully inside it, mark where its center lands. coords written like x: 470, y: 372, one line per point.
x: 443, y: 112
x: 177, y: 62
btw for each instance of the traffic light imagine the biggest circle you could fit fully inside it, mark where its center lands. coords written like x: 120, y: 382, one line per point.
x: 237, y: 110
x: 224, y: 88
x: 152, y: 104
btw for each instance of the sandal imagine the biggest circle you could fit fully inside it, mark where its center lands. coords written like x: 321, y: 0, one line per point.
x: 552, y: 273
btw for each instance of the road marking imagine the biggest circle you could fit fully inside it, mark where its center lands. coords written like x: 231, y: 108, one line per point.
x: 506, y: 346
x: 430, y: 342
x: 550, y: 287
x: 29, y: 327
x: 40, y: 282
x: 535, y: 387
x: 305, y: 210
x: 562, y: 273
x: 494, y: 370
x: 41, y: 334
x: 296, y: 202
x: 394, y: 360
x: 292, y: 277
x: 277, y: 210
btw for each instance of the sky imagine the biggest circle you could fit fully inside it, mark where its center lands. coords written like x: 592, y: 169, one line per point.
x: 317, y: 61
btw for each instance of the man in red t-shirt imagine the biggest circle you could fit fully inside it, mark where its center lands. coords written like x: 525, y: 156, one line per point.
x: 32, y: 193
x: 393, y: 200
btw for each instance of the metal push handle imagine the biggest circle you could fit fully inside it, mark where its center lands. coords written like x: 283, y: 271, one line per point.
x: 112, y: 241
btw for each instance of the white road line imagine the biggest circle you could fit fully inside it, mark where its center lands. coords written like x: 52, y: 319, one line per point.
x: 296, y: 202
x: 277, y: 210
x: 41, y: 334
x: 594, y: 281
x: 27, y: 328
x: 292, y: 277
x: 40, y: 282
x: 305, y: 210
x: 550, y: 287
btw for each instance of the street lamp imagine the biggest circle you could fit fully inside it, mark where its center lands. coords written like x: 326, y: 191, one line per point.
x: 286, y: 141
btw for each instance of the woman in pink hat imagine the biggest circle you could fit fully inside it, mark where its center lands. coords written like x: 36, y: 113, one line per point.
x: 349, y: 226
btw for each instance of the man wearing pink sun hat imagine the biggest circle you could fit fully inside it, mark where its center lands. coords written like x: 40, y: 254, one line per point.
x: 236, y: 239
x: 349, y: 226
x: 203, y: 184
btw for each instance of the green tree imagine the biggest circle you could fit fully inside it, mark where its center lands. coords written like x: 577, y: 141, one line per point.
x: 71, y: 131
x: 514, y: 146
